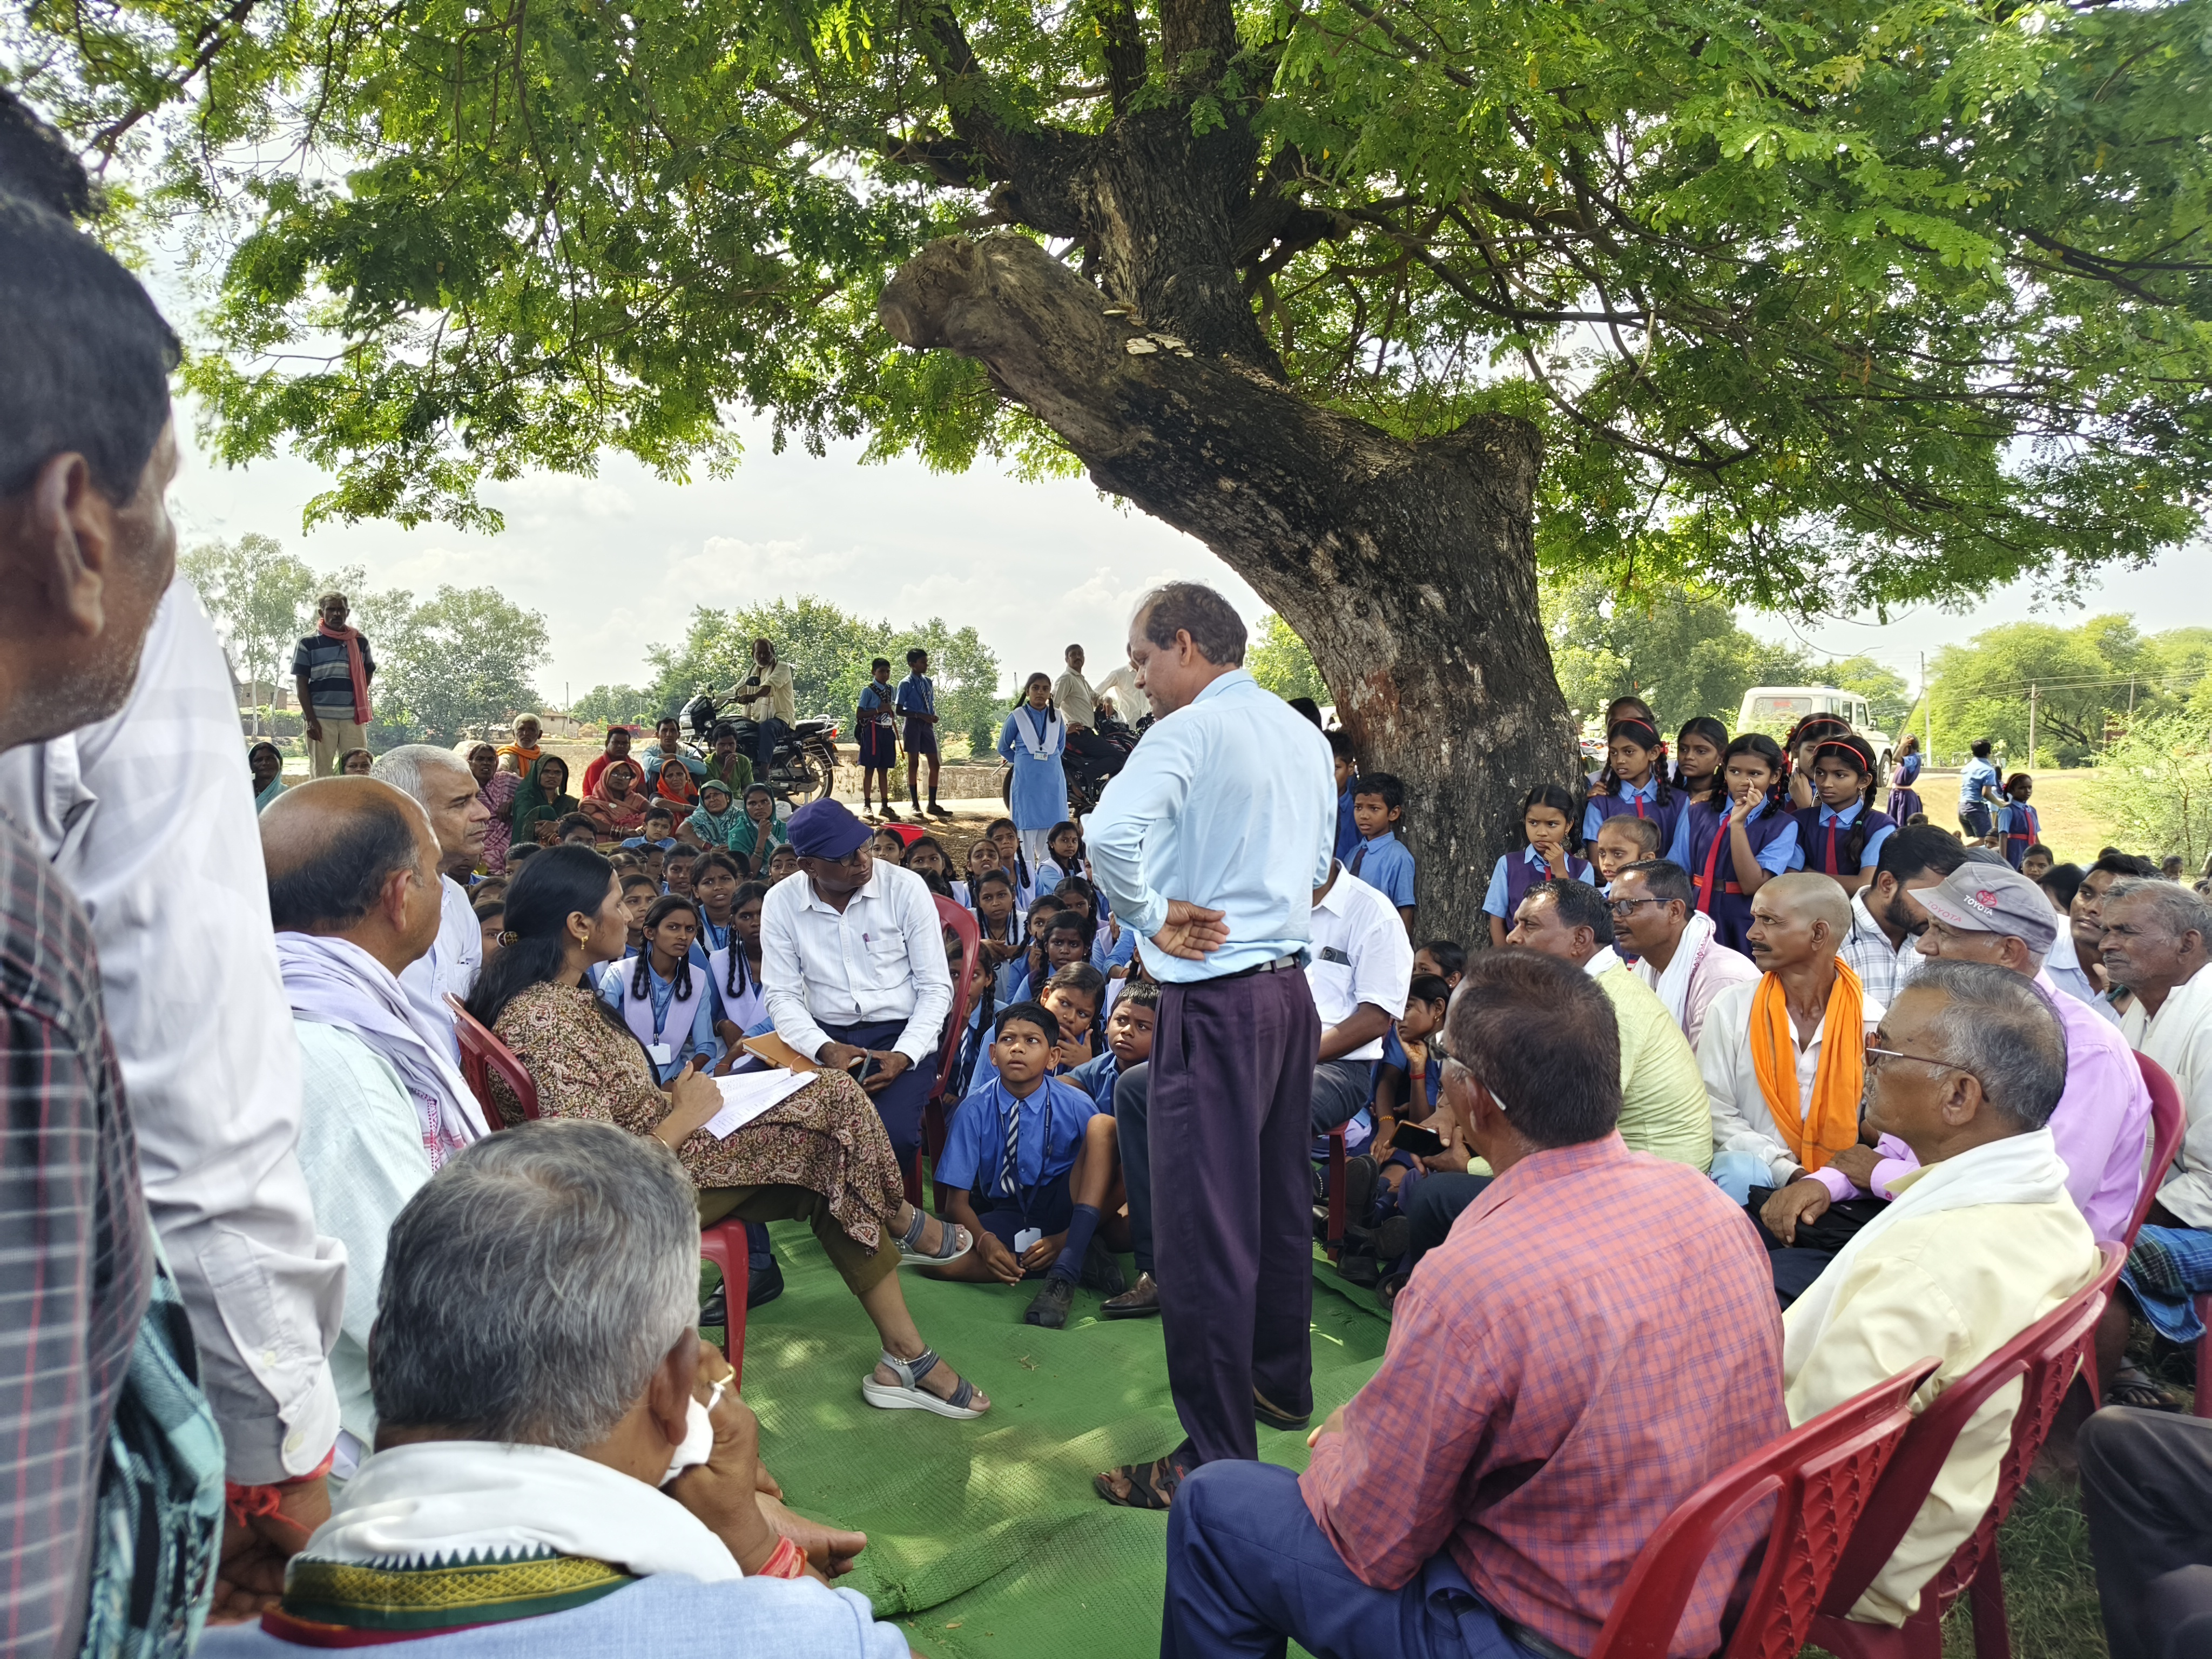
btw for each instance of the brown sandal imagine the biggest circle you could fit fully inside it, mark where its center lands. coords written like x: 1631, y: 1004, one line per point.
x: 1140, y: 1486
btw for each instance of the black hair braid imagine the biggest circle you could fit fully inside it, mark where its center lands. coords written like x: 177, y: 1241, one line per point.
x: 1854, y: 847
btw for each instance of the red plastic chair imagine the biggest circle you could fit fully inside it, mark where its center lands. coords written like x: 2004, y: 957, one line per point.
x: 484, y: 1056
x: 1819, y: 1477
x: 726, y: 1245
x: 2044, y: 1359
x: 961, y: 921
x: 2169, y: 1122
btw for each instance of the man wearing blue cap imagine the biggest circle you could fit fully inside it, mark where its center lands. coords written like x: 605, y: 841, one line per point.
x: 852, y: 961
x: 1209, y: 844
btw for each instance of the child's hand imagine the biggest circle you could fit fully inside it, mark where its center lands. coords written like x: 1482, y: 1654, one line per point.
x: 1042, y: 1254
x: 998, y: 1258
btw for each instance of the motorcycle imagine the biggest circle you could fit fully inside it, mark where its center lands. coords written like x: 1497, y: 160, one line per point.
x: 805, y: 764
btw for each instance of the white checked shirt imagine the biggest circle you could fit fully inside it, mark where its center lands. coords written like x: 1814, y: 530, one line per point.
x: 1882, y: 969
x: 1360, y: 954
x: 881, y: 958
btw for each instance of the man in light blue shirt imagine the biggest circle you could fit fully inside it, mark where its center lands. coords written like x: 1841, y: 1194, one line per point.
x: 1209, y: 845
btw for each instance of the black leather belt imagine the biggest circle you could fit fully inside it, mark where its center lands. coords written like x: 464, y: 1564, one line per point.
x: 1279, y: 965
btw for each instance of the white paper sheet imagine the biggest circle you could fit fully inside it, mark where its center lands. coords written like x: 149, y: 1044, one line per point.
x: 749, y: 1094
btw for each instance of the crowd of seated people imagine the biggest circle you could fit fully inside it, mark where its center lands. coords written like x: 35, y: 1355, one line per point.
x: 1773, y: 1100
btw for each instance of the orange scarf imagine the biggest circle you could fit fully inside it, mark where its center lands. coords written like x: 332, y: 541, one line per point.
x: 1831, y: 1120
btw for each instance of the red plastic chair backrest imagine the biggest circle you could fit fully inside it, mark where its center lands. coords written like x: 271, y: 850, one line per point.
x: 2168, y: 1122
x: 961, y: 921
x: 484, y: 1056
x: 1819, y: 1477
x: 2044, y: 1359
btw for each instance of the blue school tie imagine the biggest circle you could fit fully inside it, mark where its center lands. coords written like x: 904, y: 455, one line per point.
x: 1359, y: 858
x: 1010, y: 1167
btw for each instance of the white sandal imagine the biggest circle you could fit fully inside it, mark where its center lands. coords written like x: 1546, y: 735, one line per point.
x: 956, y: 1242
x: 907, y: 1395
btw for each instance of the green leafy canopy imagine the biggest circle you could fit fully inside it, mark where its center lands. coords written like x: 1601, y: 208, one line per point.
x: 1831, y: 303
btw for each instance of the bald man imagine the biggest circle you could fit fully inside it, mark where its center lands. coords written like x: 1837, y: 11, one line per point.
x: 355, y: 893
x: 440, y: 781
x: 1783, y: 1057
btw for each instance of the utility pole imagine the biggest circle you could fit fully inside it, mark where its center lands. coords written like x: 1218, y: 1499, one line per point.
x: 1928, y: 713
x: 2031, y: 728
x: 2131, y: 696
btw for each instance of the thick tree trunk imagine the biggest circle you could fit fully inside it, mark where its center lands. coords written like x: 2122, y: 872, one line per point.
x: 1407, y: 569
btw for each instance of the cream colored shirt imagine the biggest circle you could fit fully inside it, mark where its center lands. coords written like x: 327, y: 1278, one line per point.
x: 2179, y: 1038
x: 1955, y: 1286
x: 776, y: 686
x: 1079, y: 704
x: 1742, y: 1120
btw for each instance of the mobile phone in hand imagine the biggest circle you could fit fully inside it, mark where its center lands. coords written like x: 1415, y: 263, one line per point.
x: 864, y: 1068
x: 1420, y: 1142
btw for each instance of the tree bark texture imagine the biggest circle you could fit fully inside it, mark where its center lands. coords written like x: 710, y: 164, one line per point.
x: 1407, y: 569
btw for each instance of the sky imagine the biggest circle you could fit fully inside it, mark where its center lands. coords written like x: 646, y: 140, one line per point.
x: 617, y: 563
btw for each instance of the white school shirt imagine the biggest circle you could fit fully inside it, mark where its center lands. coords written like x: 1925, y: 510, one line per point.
x: 882, y: 958
x: 149, y: 818
x: 1742, y: 1120
x: 2063, y: 964
x: 450, y: 966
x: 1360, y: 954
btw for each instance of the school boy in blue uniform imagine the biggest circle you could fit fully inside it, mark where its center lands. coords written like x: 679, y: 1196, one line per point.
x: 1380, y: 860
x: 1348, y: 770
x: 1129, y: 1044
x: 1031, y: 1162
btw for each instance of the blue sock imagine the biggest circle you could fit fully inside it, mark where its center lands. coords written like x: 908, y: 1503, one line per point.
x: 1079, y: 1231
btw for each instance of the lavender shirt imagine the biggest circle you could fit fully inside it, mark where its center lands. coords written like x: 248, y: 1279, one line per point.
x: 2101, y: 1123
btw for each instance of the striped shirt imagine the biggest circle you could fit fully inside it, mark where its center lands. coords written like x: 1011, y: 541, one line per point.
x: 330, y: 677
x: 73, y: 1257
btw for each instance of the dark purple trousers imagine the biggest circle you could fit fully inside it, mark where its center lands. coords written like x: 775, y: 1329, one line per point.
x: 1232, y: 1200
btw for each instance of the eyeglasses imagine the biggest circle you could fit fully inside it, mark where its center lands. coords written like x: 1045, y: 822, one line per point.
x: 1876, y: 1056
x: 1624, y: 908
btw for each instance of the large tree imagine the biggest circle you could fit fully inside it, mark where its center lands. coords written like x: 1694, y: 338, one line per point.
x: 1834, y: 302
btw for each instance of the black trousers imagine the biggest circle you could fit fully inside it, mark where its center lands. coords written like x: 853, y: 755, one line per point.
x: 1796, y: 1265
x: 1132, y: 1093
x: 1434, y: 1202
x: 2147, y: 1486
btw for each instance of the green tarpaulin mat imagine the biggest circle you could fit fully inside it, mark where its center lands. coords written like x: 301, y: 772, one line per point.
x: 986, y: 1538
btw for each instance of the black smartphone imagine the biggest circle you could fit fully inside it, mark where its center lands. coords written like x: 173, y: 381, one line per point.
x: 1412, y: 1138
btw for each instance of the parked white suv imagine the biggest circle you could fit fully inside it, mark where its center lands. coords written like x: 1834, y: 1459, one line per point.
x: 1776, y: 708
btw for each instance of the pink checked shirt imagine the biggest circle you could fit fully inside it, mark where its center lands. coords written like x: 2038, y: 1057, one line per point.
x: 1596, y: 1338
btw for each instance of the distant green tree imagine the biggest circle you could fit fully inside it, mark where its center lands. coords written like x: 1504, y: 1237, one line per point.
x: 259, y: 597
x: 1279, y: 660
x: 1679, y: 650
x: 829, y: 651
x: 1888, y: 698
x: 2154, y: 787
x: 610, y: 704
x: 2090, y: 682
x: 459, y: 661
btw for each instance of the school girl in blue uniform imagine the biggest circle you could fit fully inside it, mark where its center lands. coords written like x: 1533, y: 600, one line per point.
x: 1635, y: 760
x: 1732, y: 845
x: 1843, y: 836
x: 2016, y: 819
x: 1546, y: 845
x: 667, y: 1002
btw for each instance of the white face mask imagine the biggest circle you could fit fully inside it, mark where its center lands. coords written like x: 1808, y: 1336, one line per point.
x: 698, y: 1435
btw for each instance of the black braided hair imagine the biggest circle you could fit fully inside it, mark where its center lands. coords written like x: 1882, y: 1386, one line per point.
x: 1021, y: 858
x: 1712, y: 731
x: 740, y: 976
x: 1645, y: 735
x: 641, y: 981
x: 1855, y: 751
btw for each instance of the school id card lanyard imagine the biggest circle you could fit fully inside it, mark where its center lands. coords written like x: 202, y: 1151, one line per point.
x: 1010, y: 1172
x: 658, y: 1050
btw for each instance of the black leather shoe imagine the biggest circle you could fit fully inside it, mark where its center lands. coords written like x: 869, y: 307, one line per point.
x: 764, y: 1285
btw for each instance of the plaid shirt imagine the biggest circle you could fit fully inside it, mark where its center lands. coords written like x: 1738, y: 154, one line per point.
x: 1596, y: 1339
x: 74, y: 1259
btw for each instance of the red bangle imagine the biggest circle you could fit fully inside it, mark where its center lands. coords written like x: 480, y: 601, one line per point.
x: 786, y: 1560
x: 267, y: 1498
